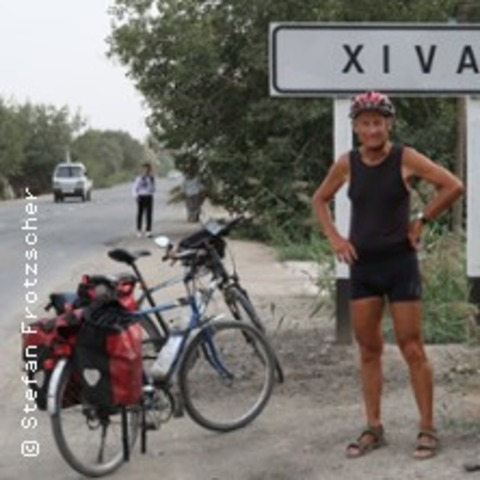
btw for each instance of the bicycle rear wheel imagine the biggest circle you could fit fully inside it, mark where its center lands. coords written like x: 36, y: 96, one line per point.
x: 242, y: 309
x: 226, y: 375
x: 89, y: 439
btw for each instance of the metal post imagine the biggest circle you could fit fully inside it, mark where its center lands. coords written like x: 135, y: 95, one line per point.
x: 342, y: 142
x: 473, y: 199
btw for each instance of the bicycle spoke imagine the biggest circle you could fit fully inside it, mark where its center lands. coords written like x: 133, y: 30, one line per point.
x: 89, y: 438
x: 230, y: 382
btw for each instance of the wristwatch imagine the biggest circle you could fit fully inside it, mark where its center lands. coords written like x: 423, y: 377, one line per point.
x: 423, y: 219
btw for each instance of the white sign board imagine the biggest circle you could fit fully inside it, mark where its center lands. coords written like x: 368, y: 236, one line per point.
x: 320, y: 59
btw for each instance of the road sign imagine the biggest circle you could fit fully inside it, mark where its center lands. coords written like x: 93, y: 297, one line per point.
x: 321, y: 59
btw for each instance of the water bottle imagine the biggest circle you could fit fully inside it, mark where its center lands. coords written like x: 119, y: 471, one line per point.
x: 200, y: 303
x: 166, y: 356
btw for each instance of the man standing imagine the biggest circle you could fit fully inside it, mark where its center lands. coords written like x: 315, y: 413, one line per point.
x: 143, y: 190
x: 381, y: 252
x: 194, y: 196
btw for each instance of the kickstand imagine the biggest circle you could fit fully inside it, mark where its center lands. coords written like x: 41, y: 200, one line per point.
x: 126, y: 447
x: 143, y: 443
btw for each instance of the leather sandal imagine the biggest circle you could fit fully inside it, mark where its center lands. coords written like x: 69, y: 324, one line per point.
x: 362, y: 446
x: 424, y: 450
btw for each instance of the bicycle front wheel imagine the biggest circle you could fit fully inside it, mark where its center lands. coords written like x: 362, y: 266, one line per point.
x: 89, y: 439
x: 226, y: 375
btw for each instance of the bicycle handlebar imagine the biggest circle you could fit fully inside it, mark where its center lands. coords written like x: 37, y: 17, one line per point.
x: 218, y: 228
x: 173, y: 255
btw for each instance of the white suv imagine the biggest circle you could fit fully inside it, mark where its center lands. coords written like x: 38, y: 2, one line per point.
x: 71, y: 180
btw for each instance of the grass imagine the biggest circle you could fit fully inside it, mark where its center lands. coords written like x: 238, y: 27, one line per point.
x: 447, y: 312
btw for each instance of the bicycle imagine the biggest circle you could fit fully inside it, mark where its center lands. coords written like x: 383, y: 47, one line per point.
x: 197, y: 300
x: 224, y: 370
x: 210, y: 246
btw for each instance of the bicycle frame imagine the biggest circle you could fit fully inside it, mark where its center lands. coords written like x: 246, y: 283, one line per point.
x: 198, y: 307
x: 193, y: 300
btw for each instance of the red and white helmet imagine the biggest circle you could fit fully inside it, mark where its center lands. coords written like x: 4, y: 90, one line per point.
x: 372, y: 101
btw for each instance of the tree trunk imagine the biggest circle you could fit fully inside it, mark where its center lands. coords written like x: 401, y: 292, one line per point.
x: 459, y: 165
x: 461, y: 136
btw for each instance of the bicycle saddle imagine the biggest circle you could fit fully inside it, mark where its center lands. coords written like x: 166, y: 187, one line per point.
x: 124, y: 256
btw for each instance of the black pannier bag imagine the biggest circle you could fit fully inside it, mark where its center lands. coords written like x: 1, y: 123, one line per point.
x: 108, y: 355
x: 202, y: 239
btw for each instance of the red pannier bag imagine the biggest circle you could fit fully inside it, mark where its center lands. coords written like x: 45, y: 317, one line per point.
x: 108, y: 356
x: 42, y: 343
x: 118, y: 287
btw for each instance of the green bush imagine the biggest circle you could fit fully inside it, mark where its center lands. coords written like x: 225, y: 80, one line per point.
x: 313, y: 248
x: 446, y: 309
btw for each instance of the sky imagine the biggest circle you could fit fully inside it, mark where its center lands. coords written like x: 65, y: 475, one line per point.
x: 53, y: 52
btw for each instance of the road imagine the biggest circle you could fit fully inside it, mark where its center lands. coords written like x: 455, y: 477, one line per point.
x: 64, y: 234
x: 46, y: 246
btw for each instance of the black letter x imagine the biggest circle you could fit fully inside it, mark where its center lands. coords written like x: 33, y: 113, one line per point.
x: 352, y: 61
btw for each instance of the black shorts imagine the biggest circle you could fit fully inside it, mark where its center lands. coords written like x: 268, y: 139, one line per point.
x: 396, y: 277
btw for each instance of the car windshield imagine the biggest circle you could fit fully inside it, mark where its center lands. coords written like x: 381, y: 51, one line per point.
x: 68, y: 171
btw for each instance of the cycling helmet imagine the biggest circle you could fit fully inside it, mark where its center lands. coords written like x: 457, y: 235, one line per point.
x: 375, y: 101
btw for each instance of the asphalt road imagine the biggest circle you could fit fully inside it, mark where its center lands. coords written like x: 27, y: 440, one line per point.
x: 41, y: 242
x: 46, y: 246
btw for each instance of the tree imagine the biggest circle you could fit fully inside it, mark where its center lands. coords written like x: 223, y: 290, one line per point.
x: 40, y: 138
x: 202, y: 66
x: 110, y: 156
x: 34, y: 138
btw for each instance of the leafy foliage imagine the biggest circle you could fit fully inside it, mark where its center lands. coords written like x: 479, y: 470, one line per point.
x: 34, y: 138
x: 202, y: 66
x: 109, y: 156
x: 447, y: 310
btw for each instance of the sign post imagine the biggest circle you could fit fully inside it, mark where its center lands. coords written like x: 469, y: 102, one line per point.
x: 339, y: 60
x: 342, y: 143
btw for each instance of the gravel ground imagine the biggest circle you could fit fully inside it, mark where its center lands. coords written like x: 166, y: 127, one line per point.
x: 303, y: 432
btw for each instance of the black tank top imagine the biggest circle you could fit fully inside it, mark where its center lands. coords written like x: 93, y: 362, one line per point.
x: 380, y: 205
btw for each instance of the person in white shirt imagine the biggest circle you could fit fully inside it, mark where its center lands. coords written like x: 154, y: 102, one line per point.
x: 143, y: 190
